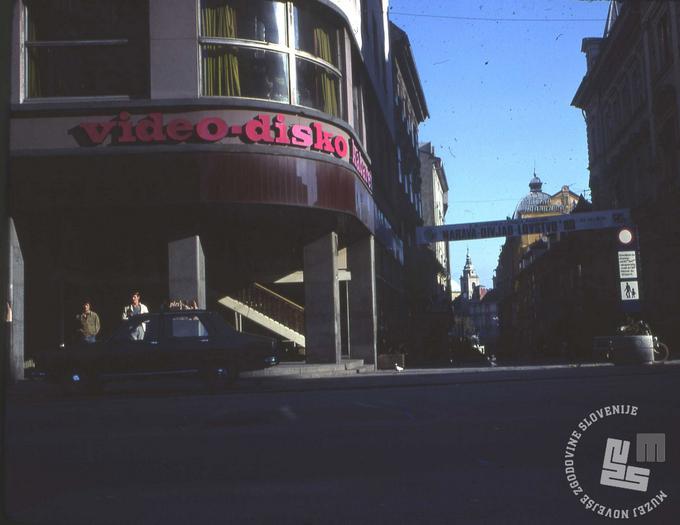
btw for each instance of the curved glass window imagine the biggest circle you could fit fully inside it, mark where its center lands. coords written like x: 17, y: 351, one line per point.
x: 318, y: 87
x: 316, y: 35
x: 234, y: 71
x: 272, y: 50
x: 260, y: 21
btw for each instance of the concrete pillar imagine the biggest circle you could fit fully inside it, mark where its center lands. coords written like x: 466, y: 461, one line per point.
x: 322, y: 301
x: 186, y: 270
x: 16, y: 302
x: 362, y: 300
x: 173, y: 48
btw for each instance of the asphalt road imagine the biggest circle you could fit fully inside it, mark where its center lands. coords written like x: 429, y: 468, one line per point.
x: 474, y: 447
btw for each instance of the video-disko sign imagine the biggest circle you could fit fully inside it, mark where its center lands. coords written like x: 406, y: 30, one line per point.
x: 264, y: 129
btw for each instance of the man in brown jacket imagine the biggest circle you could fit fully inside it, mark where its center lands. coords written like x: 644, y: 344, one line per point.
x: 89, y: 323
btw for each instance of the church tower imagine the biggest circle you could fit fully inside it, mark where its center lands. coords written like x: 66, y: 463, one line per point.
x: 469, y: 280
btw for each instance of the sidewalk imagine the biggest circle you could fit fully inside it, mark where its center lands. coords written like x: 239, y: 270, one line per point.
x: 308, y: 379
x: 300, y: 377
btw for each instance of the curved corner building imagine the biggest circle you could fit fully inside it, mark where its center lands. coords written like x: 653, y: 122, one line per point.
x: 229, y: 151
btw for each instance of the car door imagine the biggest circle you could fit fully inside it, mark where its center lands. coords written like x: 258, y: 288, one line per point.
x: 188, y: 339
x: 134, y: 346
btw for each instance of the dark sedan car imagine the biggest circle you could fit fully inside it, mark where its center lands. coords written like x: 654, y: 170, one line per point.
x: 176, y: 342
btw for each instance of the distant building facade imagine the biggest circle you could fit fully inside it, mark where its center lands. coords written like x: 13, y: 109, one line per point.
x: 630, y: 96
x: 521, y: 305
x: 469, y: 280
x: 475, y: 310
x: 435, y: 195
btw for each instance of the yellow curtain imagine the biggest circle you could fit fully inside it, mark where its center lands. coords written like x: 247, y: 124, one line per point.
x: 220, y: 64
x: 329, y: 91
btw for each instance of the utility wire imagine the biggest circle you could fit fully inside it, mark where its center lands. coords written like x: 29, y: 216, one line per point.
x: 483, y: 19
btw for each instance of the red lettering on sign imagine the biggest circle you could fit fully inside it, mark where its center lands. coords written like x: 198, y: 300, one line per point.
x: 97, y: 132
x: 281, y: 130
x: 259, y: 129
x: 212, y: 129
x: 180, y: 130
x: 322, y: 139
x: 302, y: 136
x: 150, y: 129
x: 340, y: 146
x: 125, y: 125
x: 360, y: 164
x: 263, y: 128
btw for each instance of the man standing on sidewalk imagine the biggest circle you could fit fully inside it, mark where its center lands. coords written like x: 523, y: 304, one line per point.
x: 136, y: 308
x: 89, y: 323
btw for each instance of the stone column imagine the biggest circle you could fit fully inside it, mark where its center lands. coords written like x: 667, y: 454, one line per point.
x: 173, y: 48
x: 16, y: 302
x: 322, y: 300
x: 362, y: 300
x: 186, y: 270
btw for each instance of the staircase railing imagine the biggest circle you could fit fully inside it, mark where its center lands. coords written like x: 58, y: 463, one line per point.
x: 274, y: 306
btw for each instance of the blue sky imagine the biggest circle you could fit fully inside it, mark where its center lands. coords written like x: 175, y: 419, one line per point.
x: 499, y: 95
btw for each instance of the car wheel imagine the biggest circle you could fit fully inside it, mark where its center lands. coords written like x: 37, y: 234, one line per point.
x: 220, y: 377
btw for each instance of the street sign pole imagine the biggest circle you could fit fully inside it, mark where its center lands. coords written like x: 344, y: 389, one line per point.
x: 628, y: 271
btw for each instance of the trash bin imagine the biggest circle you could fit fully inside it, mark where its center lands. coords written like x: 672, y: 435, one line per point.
x: 632, y: 349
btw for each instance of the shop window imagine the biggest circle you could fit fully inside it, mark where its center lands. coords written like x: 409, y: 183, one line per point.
x: 358, y: 101
x: 259, y: 21
x: 244, y: 72
x: 270, y: 49
x: 316, y: 35
x: 86, y: 48
x: 318, y: 87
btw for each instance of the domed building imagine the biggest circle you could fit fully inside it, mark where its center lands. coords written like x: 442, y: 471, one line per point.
x: 518, y: 253
x: 538, y: 203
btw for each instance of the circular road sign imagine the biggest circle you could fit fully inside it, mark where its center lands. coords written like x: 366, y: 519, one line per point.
x: 625, y: 236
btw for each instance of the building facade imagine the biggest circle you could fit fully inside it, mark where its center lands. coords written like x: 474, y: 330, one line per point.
x: 435, y: 203
x: 469, y: 280
x: 630, y: 99
x: 521, y: 308
x: 237, y: 152
x: 475, y: 310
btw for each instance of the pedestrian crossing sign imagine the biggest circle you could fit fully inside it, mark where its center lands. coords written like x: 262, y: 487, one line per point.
x: 630, y: 291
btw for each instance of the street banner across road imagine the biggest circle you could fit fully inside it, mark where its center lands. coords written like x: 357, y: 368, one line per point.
x: 594, y: 220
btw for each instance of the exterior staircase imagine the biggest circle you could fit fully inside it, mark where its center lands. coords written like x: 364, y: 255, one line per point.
x: 270, y: 310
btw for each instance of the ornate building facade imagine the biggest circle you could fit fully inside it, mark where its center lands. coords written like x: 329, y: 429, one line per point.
x: 630, y: 96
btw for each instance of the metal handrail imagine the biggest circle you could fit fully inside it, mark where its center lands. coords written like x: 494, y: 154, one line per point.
x: 274, y: 294
x: 274, y: 306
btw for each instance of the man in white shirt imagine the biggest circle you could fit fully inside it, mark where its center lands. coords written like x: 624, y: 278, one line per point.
x: 136, y: 308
